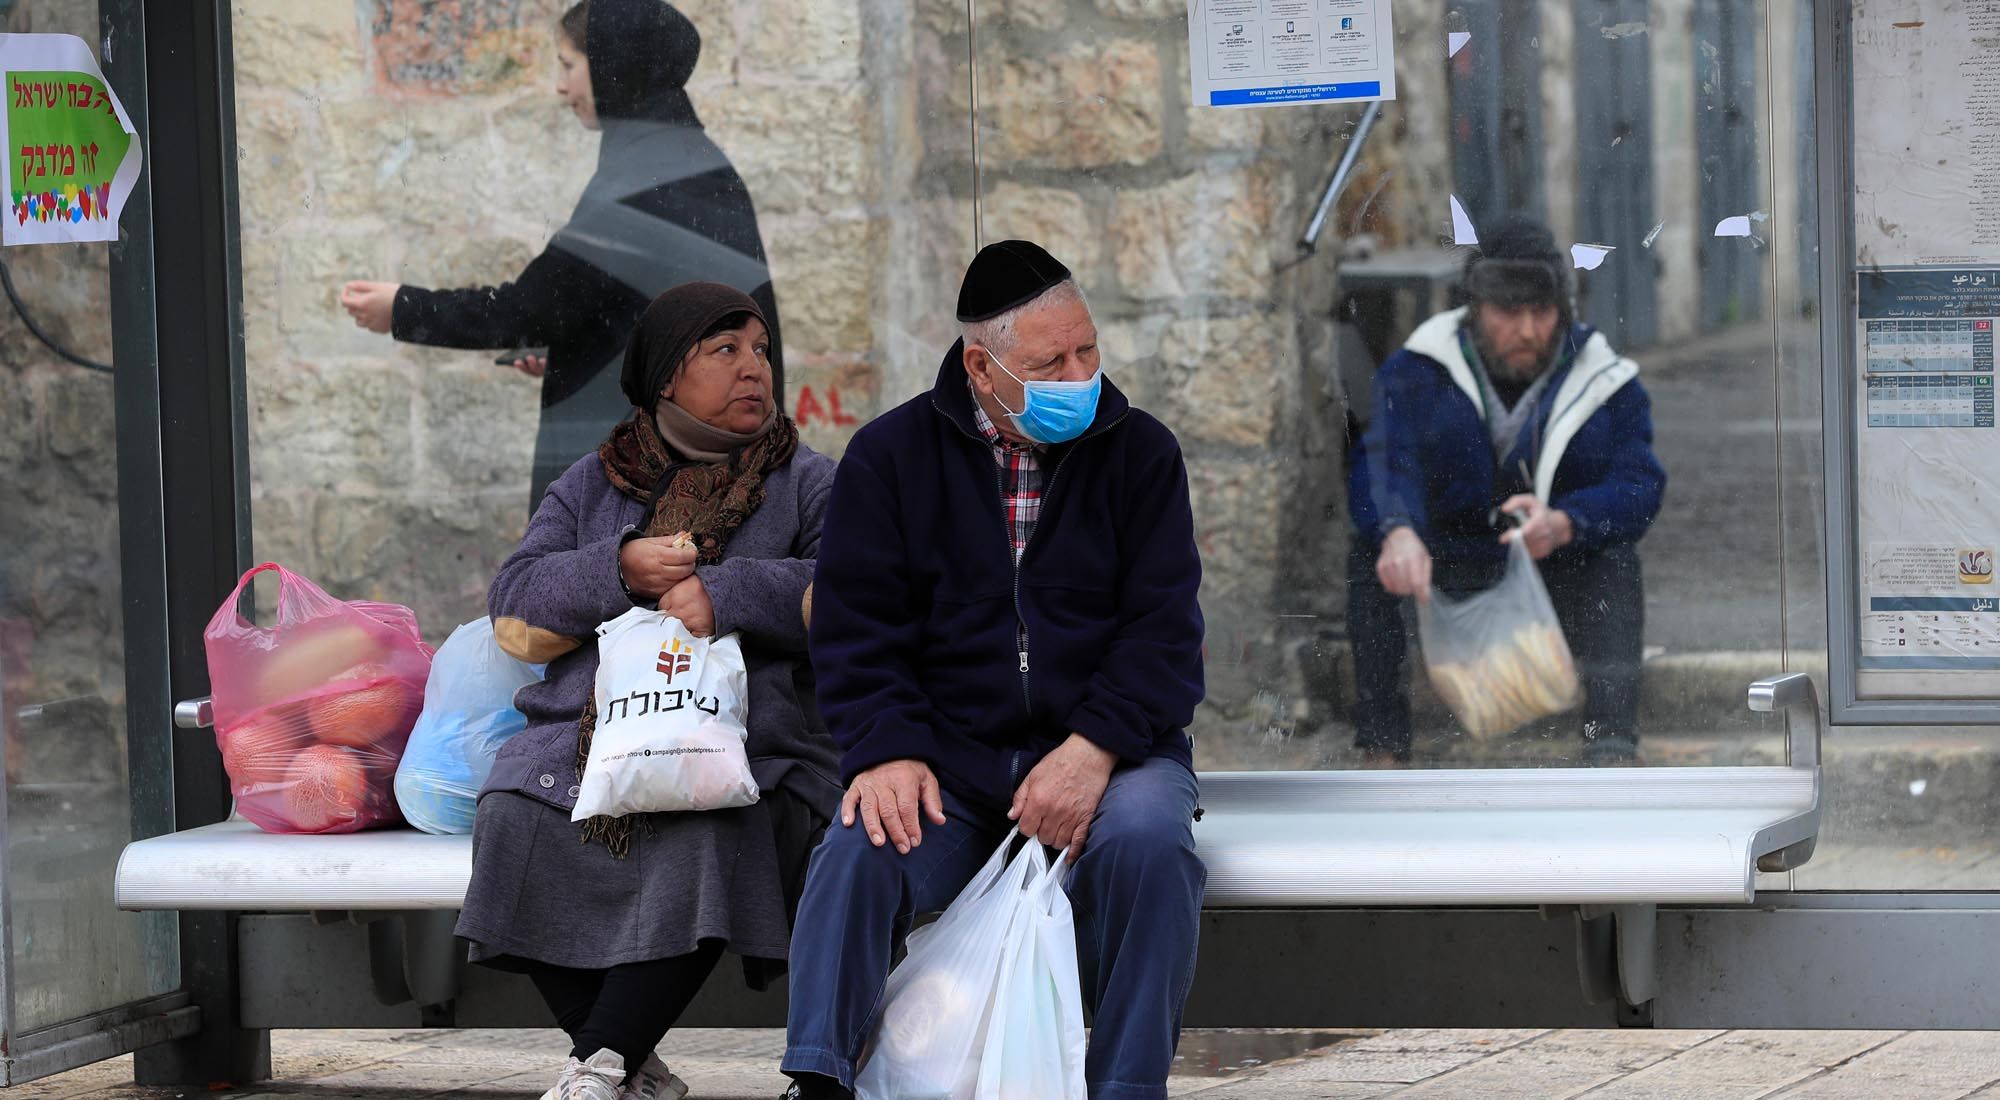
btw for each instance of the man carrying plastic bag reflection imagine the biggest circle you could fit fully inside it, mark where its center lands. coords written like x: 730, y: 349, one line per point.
x: 1005, y: 628
x: 1507, y: 405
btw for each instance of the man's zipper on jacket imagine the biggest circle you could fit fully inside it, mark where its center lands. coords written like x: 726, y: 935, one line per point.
x: 1020, y: 621
x: 1007, y: 531
x: 1020, y: 617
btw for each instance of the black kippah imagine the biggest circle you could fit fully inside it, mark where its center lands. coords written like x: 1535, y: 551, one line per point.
x: 1004, y: 275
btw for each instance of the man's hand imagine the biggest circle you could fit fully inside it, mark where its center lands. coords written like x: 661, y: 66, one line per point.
x: 371, y: 304
x: 1058, y: 799
x: 888, y: 798
x: 651, y: 567
x: 1404, y: 566
x: 534, y: 366
x: 1546, y: 529
x: 688, y: 601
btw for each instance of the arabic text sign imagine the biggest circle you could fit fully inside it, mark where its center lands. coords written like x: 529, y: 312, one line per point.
x: 1929, y: 624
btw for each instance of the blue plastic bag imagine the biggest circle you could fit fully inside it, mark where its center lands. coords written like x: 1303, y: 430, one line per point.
x: 468, y: 714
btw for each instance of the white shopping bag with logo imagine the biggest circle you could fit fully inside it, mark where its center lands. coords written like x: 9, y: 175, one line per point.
x: 670, y: 721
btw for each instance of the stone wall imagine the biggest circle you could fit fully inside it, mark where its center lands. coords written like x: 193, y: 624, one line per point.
x: 61, y: 638
x: 1180, y: 222
x: 61, y: 627
x: 399, y: 473
x: 420, y: 140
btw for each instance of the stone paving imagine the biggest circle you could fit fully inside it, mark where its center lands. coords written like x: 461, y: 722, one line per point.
x: 1215, y: 1065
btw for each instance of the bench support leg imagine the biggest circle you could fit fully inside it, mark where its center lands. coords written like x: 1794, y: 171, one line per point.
x: 1615, y: 955
x: 1638, y: 938
x: 385, y: 959
x: 221, y: 1051
x: 1596, y: 954
x: 433, y: 959
x: 413, y: 956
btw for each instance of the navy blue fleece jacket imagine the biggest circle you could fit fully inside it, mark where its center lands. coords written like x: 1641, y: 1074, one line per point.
x: 1426, y: 460
x: 917, y: 601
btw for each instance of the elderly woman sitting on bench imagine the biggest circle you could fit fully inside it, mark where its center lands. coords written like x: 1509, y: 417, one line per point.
x: 619, y: 932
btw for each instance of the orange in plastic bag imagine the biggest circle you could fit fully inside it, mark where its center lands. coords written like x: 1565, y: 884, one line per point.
x: 312, y: 713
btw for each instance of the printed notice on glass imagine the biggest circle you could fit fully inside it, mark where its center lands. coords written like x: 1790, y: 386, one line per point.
x: 1927, y: 489
x: 1265, y: 53
x: 1926, y: 132
x: 72, y: 156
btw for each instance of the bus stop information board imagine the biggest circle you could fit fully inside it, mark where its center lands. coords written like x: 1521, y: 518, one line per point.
x: 1264, y: 53
x: 72, y: 157
x: 1929, y: 518
x: 1926, y: 294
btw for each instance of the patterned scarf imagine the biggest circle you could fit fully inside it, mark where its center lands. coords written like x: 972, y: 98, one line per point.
x: 708, y: 500
x: 1506, y: 423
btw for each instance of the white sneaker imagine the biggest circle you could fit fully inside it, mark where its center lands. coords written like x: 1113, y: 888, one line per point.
x: 653, y: 1081
x: 602, y: 1077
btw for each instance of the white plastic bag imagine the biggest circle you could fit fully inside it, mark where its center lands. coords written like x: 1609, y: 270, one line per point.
x: 1498, y: 659
x: 930, y: 1032
x: 468, y: 714
x: 670, y: 721
x: 1035, y: 1041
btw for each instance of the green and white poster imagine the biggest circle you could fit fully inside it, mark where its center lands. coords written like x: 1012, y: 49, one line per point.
x: 72, y: 155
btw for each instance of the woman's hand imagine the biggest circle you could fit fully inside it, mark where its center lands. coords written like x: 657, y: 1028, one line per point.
x: 371, y: 304
x: 688, y: 602
x: 652, y: 567
x: 1545, y: 529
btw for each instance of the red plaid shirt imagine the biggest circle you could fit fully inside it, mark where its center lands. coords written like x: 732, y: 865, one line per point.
x: 1020, y: 478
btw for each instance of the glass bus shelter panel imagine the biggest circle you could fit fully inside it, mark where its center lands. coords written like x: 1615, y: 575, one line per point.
x: 445, y: 153
x: 67, y: 682
x: 1906, y: 808
x: 1607, y: 121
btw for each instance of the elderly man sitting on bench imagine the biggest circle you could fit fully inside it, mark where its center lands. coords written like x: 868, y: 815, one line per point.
x: 1006, y: 631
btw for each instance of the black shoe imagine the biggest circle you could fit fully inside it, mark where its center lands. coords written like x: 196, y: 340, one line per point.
x: 814, y: 1086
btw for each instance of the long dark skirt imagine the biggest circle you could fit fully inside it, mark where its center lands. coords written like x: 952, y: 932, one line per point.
x: 538, y: 893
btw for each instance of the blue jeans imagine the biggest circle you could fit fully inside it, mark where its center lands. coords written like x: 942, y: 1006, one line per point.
x: 1136, y: 896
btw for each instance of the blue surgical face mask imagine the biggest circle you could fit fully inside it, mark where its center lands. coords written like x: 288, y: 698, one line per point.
x: 1053, y: 412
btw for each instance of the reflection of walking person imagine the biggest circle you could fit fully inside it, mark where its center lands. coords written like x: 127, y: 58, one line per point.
x: 665, y: 207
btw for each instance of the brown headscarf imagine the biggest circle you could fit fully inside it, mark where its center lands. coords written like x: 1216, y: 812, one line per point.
x: 677, y: 464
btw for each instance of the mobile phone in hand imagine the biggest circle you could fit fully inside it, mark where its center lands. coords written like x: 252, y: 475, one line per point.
x: 519, y: 354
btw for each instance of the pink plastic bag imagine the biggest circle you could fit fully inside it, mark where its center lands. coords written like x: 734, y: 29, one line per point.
x: 312, y: 714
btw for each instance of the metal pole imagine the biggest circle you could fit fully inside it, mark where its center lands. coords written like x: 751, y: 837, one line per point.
x: 204, y: 467
x: 1309, y: 241
x: 972, y: 85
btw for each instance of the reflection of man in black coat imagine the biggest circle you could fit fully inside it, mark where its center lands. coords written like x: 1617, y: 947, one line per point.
x: 1508, y: 405
x: 664, y: 207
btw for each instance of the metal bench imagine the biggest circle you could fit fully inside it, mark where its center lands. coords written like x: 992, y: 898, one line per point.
x: 1608, y: 846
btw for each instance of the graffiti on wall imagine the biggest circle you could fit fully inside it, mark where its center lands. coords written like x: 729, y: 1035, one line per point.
x: 458, y: 46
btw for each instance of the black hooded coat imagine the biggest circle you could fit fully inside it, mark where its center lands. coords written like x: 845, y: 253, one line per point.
x: 664, y: 207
